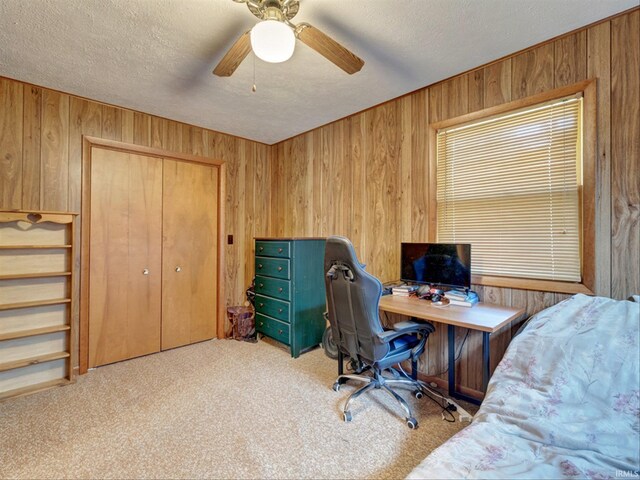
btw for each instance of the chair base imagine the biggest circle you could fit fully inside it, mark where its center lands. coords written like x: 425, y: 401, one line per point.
x: 377, y: 380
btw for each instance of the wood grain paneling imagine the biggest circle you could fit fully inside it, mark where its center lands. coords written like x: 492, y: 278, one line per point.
x: 141, y: 129
x: 54, y: 173
x: 11, y: 123
x: 111, y: 123
x: 455, y: 97
x: 389, y: 186
x: 599, y: 67
x: 31, y: 132
x: 532, y: 72
x: 419, y: 172
x: 497, y: 83
x: 625, y: 153
x: 570, y: 59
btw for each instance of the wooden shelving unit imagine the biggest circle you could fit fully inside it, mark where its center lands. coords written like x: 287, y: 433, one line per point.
x: 30, y: 247
x: 36, y: 295
x: 34, y: 275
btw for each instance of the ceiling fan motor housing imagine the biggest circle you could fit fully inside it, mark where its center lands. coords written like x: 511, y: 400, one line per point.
x: 275, y: 9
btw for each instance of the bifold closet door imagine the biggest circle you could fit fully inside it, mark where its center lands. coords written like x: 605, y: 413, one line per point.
x: 189, y: 253
x: 125, y: 256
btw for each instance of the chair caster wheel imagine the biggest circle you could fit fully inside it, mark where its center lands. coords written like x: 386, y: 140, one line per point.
x: 418, y: 394
x: 346, y: 416
x: 412, y: 423
x: 336, y: 387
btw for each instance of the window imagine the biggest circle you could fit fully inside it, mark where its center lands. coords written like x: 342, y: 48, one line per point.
x: 511, y: 184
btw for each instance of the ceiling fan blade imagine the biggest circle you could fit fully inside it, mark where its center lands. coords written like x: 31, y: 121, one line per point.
x: 234, y: 57
x: 329, y: 48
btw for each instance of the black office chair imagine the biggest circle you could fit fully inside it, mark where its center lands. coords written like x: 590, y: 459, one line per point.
x: 353, y: 296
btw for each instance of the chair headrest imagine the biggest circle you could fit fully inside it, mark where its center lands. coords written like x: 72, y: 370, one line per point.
x: 340, y: 249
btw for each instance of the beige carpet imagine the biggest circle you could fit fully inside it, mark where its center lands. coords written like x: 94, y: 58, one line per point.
x: 219, y: 409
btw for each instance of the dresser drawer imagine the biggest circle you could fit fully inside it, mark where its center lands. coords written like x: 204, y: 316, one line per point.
x: 273, y: 328
x: 273, y: 287
x: 272, y: 267
x: 274, y: 308
x: 273, y: 249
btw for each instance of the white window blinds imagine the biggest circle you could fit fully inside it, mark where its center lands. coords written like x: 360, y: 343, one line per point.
x: 510, y: 186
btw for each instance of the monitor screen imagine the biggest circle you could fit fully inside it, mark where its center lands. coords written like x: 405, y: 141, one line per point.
x: 436, y: 264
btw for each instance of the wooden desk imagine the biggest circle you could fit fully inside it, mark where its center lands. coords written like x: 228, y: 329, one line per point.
x: 485, y: 317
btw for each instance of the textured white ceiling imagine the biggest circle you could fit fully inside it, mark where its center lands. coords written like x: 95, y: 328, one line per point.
x: 156, y: 56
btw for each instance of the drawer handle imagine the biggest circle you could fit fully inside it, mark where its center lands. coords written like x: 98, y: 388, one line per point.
x: 261, y: 324
x: 279, y: 269
x: 279, y: 250
x: 261, y: 248
x: 280, y: 332
x: 279, y: 310
x: 262, y: 304
x: 262, y: 285
x: 280, y: 290
x: 259, y: 265
x: 145, y: 271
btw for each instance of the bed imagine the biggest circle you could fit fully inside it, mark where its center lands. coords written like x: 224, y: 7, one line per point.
x: 562, y: 403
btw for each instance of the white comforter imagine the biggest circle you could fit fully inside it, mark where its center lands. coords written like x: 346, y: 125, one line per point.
x: 563, y: 403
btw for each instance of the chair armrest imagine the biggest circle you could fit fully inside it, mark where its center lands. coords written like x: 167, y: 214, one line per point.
x: 402, y: 328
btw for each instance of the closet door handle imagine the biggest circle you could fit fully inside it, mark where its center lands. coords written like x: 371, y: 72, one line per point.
x: 178, y: 269
x: 145, y: 271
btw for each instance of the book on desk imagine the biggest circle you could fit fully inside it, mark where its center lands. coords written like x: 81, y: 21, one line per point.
x: 462, y: 298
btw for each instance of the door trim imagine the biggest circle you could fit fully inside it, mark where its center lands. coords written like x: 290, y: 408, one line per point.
x: 88, y: 143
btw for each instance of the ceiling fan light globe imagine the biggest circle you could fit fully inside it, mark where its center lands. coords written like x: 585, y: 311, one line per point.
x: 273, y: 41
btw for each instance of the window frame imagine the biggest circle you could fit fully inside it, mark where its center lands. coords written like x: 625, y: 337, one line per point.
x: 587, y: 194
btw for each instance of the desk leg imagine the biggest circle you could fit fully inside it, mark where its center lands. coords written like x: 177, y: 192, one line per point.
x: 451, y: 331
x: 486, y: 364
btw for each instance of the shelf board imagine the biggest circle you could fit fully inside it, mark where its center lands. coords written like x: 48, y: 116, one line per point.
x: 33, y: 332
x: 38, y: 303
x: 25, y: 362
x: 31, y: 247
x: 16, y: 392
x: 19, y: 276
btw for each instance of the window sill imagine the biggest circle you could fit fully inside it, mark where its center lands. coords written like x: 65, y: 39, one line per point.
x: 531, y: 284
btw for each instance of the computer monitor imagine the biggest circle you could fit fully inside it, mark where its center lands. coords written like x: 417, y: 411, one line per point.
x: 436, y: 264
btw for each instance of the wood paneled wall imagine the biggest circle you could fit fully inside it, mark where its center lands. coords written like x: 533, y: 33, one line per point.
x: 41, y: 153
x: 367, y: 176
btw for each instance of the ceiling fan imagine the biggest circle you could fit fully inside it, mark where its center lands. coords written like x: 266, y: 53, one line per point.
x: 273, y: 39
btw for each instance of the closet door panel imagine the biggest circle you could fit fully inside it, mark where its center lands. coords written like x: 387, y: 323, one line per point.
x: 189, y: 257
x: 108, y: 292
x: 145, y: 252
x: 126, y: 208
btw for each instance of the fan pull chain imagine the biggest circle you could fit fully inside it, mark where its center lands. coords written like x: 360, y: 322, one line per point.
x: 254, y: 88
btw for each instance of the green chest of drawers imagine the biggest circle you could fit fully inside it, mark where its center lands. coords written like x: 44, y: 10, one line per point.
x: 290, y: 292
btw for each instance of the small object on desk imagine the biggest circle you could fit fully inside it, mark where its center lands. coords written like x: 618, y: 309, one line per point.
x: 442, y: 302
x: 404, y: 290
